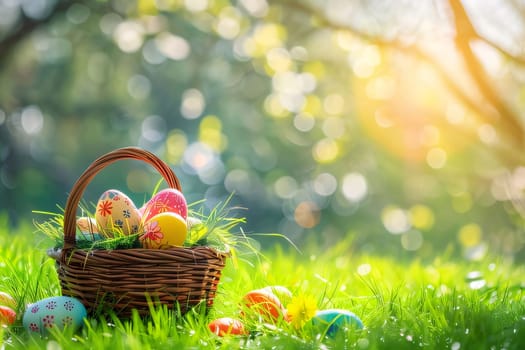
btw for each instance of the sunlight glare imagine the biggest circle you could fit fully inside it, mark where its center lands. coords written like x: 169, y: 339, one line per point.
x: 395, y: 220
x: 176, y: 143
x: 256, y: 8
x: 382, y: 118
x: 487, y: 134
x: 32, y: 120
x: 421, y: 217
x: 455, y: 113
x: 470, y: 235
x: 196, y: 5
x: 325, y: 184
x: 412, y: 240
x: 139, y: 87
x: 462, y: 202
x: 274, y: 107
x: 228, y: 24
x: 354, y: 187
x: 210, y: 133
x: 364, y: 269
x: 279, y: 59
x: 193, y: 104
x: 154, y: 128
x: 303, y: 122
x: 285, y: 187
x: 129, y: 36
x: 381, y: 88
x: 334, y: 104
x: 325, y: 151
x: 307, y: 214
x: 172, y: 46
x: 365, y: 61
x: 334, y: 127
x: 430, y: 135
x: 436, y: 158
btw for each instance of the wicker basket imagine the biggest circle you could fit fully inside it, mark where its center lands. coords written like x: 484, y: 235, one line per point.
x: 126, y: 279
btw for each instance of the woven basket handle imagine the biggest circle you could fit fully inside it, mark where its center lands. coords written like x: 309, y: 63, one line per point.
x: 77, y: 191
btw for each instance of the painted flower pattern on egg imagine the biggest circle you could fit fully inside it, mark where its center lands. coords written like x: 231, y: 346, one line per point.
x: 55, y: 312
x: 105, y: 208
x: 116, y: 212
x: 153, y: 232
x: 164, y: 230
x: 168, y: 200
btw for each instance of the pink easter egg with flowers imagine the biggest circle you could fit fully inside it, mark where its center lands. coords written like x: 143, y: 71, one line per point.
x: 167, y: 200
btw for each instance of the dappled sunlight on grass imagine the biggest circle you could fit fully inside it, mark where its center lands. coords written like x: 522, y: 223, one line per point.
x: 403, y: 304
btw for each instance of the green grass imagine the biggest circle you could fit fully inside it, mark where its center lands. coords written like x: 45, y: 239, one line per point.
x: 440, y: 304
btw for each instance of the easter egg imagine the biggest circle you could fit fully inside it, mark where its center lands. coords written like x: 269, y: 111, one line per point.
x: 7, y: 300
x: 88, y: 228
x: 167, y: 200
x: 116, y: 213
x: 7, y: 315
x: 55, y: 312
x: 164, y: 230
x: 333, y: 320
x: 281, y: 292
x: 193, y: 222
x: 227, y: 325
x: 265, y: 303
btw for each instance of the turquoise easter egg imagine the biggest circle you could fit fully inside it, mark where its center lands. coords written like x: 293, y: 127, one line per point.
x: 332, y: 321
x: 56, y: 312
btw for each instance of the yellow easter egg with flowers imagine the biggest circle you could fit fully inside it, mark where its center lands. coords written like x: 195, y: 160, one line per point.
x: 164, y: 230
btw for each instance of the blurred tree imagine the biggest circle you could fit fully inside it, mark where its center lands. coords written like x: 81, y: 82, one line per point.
x: 398, y: 123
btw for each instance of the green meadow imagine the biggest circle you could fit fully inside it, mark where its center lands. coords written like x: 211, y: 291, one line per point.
x: 437, y: 304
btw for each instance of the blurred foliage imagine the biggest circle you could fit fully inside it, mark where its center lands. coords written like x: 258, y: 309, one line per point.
x: 396, y: 124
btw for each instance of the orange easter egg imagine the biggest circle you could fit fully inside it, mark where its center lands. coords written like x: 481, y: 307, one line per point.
x: 281, y: 292
x: 164, y: 230
x: 265, y: 303
x: 7, y: 300
x: 7, y: 315
x: 116, y: 213
x: 227, y: 325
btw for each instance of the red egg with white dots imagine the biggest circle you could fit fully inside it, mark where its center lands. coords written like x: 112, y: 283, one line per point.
x: 168, y: 200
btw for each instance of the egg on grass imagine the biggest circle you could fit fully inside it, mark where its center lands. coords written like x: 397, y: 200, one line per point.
x: 264, y: 303
x: 226, y: 325
x: 331, y: 321
x: 7, y: 300
x: 7, y: 316
x: 55, y: 312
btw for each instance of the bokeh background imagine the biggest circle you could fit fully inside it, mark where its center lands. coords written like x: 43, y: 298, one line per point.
x: 395, y: 124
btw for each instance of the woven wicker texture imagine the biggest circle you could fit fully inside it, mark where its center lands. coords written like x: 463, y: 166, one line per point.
x: 122, y: 280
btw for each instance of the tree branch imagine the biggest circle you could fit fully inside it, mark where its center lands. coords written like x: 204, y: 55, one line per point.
x: 464, y: 34
x: 509, y: 123
x: 508, y: 152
